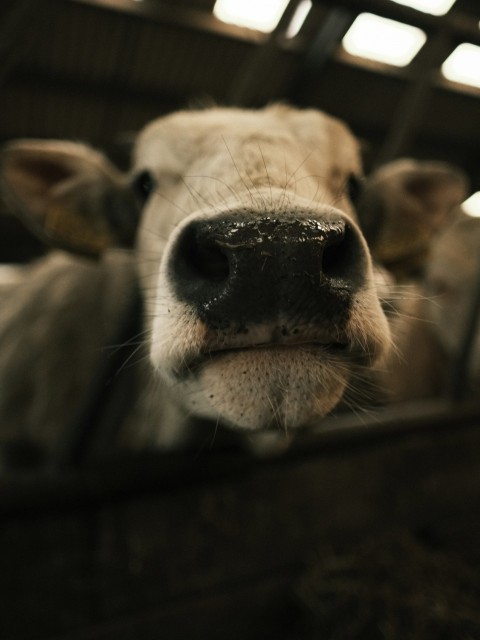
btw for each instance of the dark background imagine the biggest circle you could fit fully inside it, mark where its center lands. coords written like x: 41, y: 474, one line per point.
x: 98, y: 70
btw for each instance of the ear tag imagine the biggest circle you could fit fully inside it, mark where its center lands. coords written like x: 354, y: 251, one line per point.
x: 73, y: 231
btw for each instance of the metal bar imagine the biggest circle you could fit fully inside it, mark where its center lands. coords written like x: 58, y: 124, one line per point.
x: 327, y: 39
x: 409, y: 114
x: 252, y: 74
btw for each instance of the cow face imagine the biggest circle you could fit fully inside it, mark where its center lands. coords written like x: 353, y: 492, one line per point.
x: 259, y: 289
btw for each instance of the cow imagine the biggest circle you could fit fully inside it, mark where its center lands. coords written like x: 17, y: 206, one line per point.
x: 411, y: 216
x: 259, y: 300
x: 433, y: 325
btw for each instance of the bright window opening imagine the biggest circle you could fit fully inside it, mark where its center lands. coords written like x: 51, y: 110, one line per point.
x: 383, y: 40
x: 463, y: 65
x: 472, y: 205
x: 262, y: 15
x: 298, y: 18
x: 435, y: 7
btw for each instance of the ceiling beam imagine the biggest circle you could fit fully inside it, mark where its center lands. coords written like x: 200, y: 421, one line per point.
x: 410, y: 111
x: 180, y: 16
x: 322, y: 47
x: 459, y: 25
x: 251, y: 75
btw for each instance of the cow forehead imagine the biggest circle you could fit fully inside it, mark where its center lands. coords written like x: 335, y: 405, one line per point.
x: 173, y: 141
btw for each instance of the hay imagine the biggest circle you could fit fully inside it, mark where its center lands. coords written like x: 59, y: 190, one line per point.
x: 391, y: 588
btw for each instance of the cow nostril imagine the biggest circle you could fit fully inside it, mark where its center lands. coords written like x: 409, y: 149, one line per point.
x: 210, y: 263
x: 203, y: 258
x: 342, y: 257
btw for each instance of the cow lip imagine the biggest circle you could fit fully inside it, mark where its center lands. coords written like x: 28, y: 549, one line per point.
x: 337, y: 349
x: 308, y: 344
x: 331, y: 346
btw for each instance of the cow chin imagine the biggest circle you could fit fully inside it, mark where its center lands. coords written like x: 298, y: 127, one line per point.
x: 267, y: 388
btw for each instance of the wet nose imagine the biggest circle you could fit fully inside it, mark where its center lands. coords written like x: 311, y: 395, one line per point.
x: 243, y: 268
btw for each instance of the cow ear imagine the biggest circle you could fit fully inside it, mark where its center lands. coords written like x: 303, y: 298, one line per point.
x: 438, y: 187
x: 69, y: 194
x: 404, y: 204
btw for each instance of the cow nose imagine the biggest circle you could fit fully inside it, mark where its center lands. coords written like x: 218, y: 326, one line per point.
x: 240, y: 268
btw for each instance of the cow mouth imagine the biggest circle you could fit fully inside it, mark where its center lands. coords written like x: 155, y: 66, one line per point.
x: 332, y: 351
x: 321, y: 347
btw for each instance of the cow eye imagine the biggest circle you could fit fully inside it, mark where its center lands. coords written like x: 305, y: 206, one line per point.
x: 354, y: 188
x: 144, y: 184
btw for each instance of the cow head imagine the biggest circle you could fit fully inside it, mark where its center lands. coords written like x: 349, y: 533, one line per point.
x: 260, y: 296
x: 404, y: 204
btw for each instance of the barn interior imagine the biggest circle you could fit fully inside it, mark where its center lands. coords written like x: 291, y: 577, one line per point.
x: 366, y: 527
